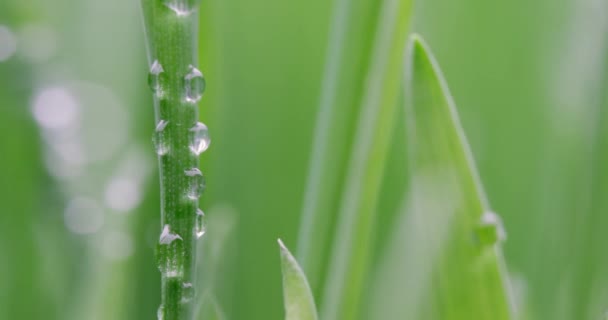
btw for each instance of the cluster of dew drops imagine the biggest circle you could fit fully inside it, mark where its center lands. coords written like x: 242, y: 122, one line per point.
x: 194, y: 86
x: 199, y: 140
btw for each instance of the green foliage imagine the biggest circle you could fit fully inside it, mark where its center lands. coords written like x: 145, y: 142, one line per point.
x: 291, y: 86
x: 465, y: 276
x: 298, y: 300
x: 179, y: 138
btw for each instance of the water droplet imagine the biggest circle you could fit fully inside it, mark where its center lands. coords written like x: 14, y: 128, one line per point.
x: 166, y: 237
x: 160, y: 138
x: 169, y: 253
x: 156, y: 77
x: 490, y: 229
x: 160, y: 126
x: 197, y: 183
x: 200, y: 225
x: 200, y: 139
x: 182, y: 7
x: 160, y: 314
x: 195, y: 85
x: 187, y: 292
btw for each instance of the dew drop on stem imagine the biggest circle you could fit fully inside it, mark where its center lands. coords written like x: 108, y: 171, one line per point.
x: 200, y: 224
x: 490, y: 229
x: 187, y: 292
x: 160, y: 313
x: 194, y: 83
x: 160, y: 138
x: 156, y: 78
x: 181, y: 7
x: 167, y: 237
x: 200, y: 139
x: 196, y: 184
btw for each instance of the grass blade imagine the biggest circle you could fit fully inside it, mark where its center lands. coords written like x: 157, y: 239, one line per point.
x: 351, y: 250
x: 467, y: 279
x: 299, y: 303
x: 349, y: 48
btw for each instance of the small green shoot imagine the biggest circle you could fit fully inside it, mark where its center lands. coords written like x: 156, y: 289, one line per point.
x: 299, y: 303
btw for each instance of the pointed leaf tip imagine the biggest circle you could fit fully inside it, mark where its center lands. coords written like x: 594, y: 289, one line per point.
x: 447, y: 197
x: 298, y: 300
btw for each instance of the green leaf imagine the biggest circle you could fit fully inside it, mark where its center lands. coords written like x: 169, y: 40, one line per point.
x: 454, y: 234
x: 299, y: 303
x: 350, y: 259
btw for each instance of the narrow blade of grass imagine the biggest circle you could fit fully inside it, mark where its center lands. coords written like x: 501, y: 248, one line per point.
x: 351, y: 250
x: 299, y: 303
x: 349, y: 48
x: 467, y: 279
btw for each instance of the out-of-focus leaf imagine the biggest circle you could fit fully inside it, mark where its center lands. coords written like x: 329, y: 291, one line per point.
x: 299, y: 303
x: 452, y: 250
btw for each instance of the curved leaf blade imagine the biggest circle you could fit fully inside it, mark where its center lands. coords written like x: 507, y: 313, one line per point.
x: 299, y: 303
x: 467, y: 278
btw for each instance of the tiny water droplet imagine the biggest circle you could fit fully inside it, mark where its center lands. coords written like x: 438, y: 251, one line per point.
x: 166, y: 237
x: 490, y: 229
x: 168, y: 253
x: 160, y: 126
x: 182, y: 7
x: 197, y: 183
x: 160, y: 313
x: 156, y: 77
x: 187, y: 292
x: 194, y: 85
x: 160, y: 138
x: 199, y: 140
x: 200, y: 225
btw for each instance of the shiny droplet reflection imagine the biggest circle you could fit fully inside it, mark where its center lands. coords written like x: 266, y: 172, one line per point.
x: 167, y: 237
x: 194, y: 83
x: 200, y: 224
x: 182, y: 8
x: 161, y: 139
x: 490, y: 229
x: 156, y: 78
x: 200, y: 139
x: 187, y: 292
x: 196, y: 184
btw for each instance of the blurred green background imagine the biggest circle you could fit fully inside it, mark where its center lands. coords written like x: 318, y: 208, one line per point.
x: 78, y: 183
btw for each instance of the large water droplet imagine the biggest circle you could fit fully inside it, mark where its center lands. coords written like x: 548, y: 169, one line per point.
x: 490, y: 229
x: 166, y: 237
x: 160, y: 139
x: 187, y: 292
x: 194, y: 85
x: 196, y: 184
x: 199, y: 140
x: 156, y: 77
x: 182, y: 7
x: 160, y: 313
x: 200, y: 224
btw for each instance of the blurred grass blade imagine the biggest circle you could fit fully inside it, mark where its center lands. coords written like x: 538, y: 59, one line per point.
x: 352, y: 246
x: 299, y: 303
x: 349, y: 49
x: 467, y: 278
